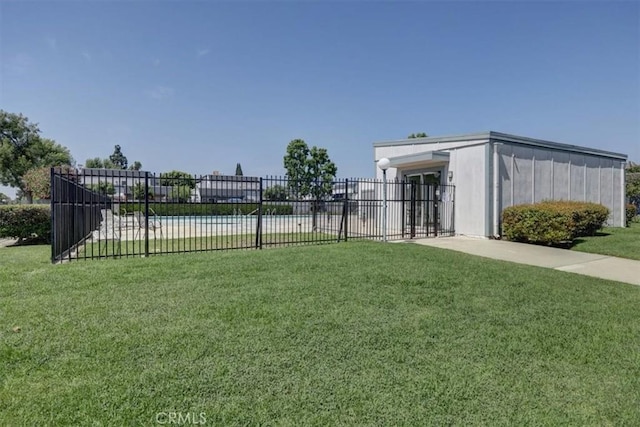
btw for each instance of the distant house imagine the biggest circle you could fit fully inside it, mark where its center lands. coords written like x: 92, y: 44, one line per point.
x: 124, y: 182
x: 342, y: 190
x: 226, y: 188
x: 493, y: 170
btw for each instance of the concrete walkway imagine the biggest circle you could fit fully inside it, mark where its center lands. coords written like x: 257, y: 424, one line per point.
x: 602, y: 266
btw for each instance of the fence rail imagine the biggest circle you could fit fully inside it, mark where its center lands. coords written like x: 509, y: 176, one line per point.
x: 111, y: 213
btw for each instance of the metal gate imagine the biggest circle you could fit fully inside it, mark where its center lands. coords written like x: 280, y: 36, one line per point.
x: 429, y: 210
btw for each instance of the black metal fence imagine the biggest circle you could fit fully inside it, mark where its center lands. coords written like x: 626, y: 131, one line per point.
x: 98, y: 213
x: 74, y: 213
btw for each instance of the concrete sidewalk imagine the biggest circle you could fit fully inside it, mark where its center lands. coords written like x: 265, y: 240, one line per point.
x: 602, y: 266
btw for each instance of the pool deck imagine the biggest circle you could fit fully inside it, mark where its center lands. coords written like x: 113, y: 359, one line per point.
x: 190, y: 227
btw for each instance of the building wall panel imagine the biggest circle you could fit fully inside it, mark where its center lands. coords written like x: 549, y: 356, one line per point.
x: 560, y: 172
x: 522, y: 181
x: 542, y: 175
x: 577, y: 177
x: 592, y: 182
x: 471, y: 190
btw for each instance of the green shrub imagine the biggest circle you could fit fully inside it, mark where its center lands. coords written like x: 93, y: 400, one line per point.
x: 26, y: 221
x: 552, y: 222
x: 587, y: 217
x: 631, y: 211
x: 206, y: 209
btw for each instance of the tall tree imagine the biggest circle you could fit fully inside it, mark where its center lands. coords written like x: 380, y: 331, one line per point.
x: 310, y: 172
x: 38, y: 181
x: 418, y: 135
x: 275, y: 193
x: 22, y: 149
x: 119, y: 160
x: 295, y: 162
x: 103, y: 187
x: 633, y: 183
x: 95, y: 163
x: 181, y: 193
x: 238, y: 170
x: 136, y: 166
x: 115, y: 161
x: 177, y: 178
x: 139, y: 193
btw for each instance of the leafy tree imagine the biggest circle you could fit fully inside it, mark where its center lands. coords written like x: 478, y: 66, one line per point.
x: 4, y: 199
x: 310, y: 172
x: 177, y: 178
x: 107, y: 163
x: 275, y: 193
x: 38, y: 181
x: 48, y: 153
x: 22, y: 149
x: 418, y: 135
x: 103, y: 187
x: 98, y: 163
x: 181, y: 193
x: 95, y: 163
x: 295, y: 162
x: 238, y: 170
x: 633, y: 183
x: 138, y: 192
x: 136, y: 166
x: 119, y: 160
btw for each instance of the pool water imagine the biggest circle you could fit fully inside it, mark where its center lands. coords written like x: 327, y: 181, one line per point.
x: 227, y: 219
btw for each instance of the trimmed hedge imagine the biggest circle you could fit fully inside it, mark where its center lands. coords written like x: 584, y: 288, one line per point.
x: 206, y: 209
x: 26, y: 221
x: 552, y: 222
x: 630, y: 211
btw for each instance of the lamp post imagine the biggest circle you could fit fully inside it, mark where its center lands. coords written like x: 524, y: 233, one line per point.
x: 384, y: 164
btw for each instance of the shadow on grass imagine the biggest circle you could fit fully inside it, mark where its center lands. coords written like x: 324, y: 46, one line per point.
x: 584, y: 239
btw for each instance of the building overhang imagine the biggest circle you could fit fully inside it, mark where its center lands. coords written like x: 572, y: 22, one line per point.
x: 499, y: 137
x: 419, y: 159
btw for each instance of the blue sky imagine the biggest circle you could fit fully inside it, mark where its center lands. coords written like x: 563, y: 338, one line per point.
x: 200, y: 86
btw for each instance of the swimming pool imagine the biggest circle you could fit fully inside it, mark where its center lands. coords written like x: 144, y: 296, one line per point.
x: 227, y: 219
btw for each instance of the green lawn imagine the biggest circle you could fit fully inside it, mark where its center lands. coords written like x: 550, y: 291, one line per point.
x: 126, y: 248
x: 358, y: 333
x: 615, y: 241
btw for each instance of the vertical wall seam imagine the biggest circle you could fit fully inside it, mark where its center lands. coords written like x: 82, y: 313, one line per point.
x: 553, y: 181
x: 513, y: 162
x: 600, y: 181
x: 533, y: 178
x: 584, y: 181
x: 569, y: 197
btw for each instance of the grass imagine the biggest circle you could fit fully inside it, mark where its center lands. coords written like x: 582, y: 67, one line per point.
x: 614, y: 241
x: 186, y: 243
x: 357, y: 333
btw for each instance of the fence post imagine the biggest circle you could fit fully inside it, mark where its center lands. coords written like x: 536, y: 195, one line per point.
x: 345, y: 214
x: 412, y: 211
x: 436, y: 218
x: 259, y: 222
x: 146, y: 214
x: 53, y: 217
x: 403, y: 215
x: 453, y: 211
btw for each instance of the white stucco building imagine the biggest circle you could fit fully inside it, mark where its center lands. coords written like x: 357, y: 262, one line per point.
x: 492, y: 170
